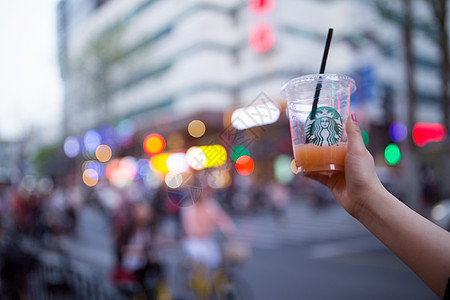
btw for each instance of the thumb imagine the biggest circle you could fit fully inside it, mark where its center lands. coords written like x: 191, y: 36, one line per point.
x: 355, y: 141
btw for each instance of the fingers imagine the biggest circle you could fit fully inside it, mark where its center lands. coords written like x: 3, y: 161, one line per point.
x: 355, y: 142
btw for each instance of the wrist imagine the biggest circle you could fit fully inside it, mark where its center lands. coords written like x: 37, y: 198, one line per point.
x: 370, y: 208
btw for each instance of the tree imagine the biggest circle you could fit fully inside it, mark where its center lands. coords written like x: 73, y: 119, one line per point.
x: 92, y: 70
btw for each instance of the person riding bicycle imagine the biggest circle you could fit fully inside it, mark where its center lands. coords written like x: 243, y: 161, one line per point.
x: 200, y: 222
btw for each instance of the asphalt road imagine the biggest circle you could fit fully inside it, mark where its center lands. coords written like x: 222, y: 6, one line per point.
x: 310, y: 254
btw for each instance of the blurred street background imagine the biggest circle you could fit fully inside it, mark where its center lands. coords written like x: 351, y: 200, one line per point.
x: 117, y: 117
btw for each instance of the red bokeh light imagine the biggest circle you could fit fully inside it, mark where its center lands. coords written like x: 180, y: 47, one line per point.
x: 245, y: 165
x: 154, y: 144
x: 424, y: 133
x: 122, y: 169
x: 261, y: 7
x: 261, y: 37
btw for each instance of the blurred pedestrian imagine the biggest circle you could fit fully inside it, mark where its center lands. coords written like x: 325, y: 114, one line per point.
x: 136, y: 244
x: 420, y: 244
x: 200, y: 221
x: 279, y: 198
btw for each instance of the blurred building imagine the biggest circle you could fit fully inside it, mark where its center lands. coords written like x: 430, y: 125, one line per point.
x: 160, y: 64
x: 148, y: 59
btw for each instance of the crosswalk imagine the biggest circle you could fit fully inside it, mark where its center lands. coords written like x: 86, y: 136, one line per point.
x: 304, y: 225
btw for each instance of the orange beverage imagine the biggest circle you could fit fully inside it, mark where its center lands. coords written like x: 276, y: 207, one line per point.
x: 312, y: 158
x: 318, y: 106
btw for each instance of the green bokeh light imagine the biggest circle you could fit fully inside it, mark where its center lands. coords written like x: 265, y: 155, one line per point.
x: 238, y: 151
x: 365, y: 137
x: 392, y: 154
x: 282, y: 169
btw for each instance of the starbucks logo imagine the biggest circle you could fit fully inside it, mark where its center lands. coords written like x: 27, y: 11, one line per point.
x: 326, y: 129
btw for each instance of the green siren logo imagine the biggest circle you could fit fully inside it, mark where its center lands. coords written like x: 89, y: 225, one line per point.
x: 326, y: 129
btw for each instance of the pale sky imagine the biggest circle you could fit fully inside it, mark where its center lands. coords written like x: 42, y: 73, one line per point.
x: 30, y: 85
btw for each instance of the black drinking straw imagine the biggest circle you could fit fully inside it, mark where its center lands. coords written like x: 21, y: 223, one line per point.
x: 322, y: 70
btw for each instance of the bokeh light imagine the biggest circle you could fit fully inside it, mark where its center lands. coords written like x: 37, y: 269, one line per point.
x: 125, y: 130
x: 45, y: 186
x: 424, y: 133
x: 392, y: 154
x: 154, y: 144
x: 203, y: 157
x: 143, y: 167
x: 238, y: 151
x: 294, y: 168
x: 196, y: 128
x: 94, y: 165
x: 72, y: 146
x: 173, y: 180
x: 121, y: 169
x: 261, y: 37
x: 92, y: 140
x: 196, y: 158
x: 245, y: 165
x: 90, y: 177
x: 216, y: 155
x: 365, y: 137
x: 266, y: 112
x: 177, y: 162
x: 103, y: 153
x: 159, y: 162
x: 150, y: 179
x: 439, y: 212
x: 29, y: 183
x: 107, y: 133
x: 398, y: 131
x: 219, y: 179
x: 281, y: 167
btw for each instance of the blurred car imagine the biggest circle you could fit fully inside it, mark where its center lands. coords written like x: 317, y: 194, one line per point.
x: 440, y: 214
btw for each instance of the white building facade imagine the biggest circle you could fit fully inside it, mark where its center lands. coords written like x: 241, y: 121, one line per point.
x: 151, y: 60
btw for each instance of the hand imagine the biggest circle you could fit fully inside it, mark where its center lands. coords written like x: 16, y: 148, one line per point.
x: 355, y: 186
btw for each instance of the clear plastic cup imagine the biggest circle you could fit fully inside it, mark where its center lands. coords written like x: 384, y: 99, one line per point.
x: 320, y: 142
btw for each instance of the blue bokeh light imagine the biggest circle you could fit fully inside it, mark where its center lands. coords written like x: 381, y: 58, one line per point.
x: 72, y: 146
x: 92, y: 139
x: 398, y: 131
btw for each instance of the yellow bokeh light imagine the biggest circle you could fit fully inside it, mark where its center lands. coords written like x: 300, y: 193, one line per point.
x: 159, y: 162
x: 196, y: 128
x: 90, y: 177
x: 103, y: 153
x: 216, y: 155
x: 294, y: 167
x: 203, y: 157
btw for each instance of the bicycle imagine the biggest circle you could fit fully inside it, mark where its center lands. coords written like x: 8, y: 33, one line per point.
x: 196, y: 281
x: 151, y: 287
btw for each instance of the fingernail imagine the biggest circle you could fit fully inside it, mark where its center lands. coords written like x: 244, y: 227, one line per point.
x: 354, y: 118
